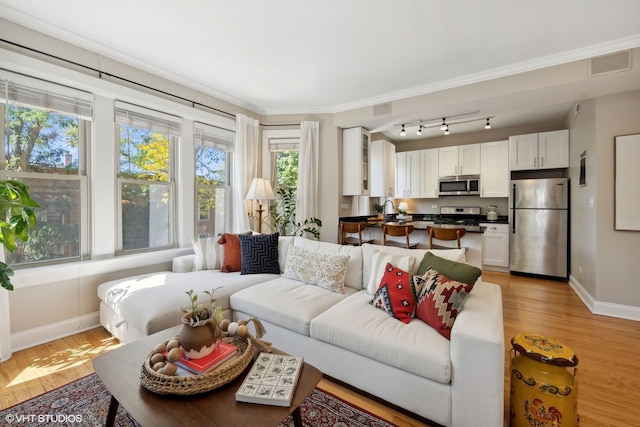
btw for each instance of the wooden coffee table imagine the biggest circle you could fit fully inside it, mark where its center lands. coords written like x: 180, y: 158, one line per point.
x: 119, y: 370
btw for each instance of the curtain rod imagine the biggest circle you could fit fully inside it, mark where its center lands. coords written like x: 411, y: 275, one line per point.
x: 105, y: 73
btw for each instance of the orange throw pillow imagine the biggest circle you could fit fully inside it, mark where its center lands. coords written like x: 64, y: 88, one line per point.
x: 232, y: 254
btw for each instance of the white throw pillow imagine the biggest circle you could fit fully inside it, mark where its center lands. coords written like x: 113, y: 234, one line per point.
x: 379, y: 262
x: 207, y: 253
x: 324, y: 270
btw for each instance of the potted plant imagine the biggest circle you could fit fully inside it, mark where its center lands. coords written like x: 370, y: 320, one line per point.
x: 379, y: 209
x: 17, y: 220
x: 283, y: 214
x: 200, y: 331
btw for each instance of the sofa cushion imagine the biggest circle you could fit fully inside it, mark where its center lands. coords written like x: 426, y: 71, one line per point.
x: 397, y: 293
x: 379, y: 262
x: 286, y: 302
x: 440, y: 301
x: 259, y: 254
x: 207, y: 253
x: 459, y: 271
x: 368, y: 250
x: 232, y: 254
x: 354, y: 270
x: 151, y: 302
x: 356, y: 326
x: 327, y: 271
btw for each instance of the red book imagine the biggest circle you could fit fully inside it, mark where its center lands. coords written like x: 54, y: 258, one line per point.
x: 217, y: 357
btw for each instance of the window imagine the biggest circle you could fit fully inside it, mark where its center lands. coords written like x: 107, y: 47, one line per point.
x: 47, y: 130
x: 146, y: 141
x: 284, y: 172
x: 213, y: 159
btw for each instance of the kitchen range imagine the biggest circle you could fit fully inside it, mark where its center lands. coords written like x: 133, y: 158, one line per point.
x: 467, y: 217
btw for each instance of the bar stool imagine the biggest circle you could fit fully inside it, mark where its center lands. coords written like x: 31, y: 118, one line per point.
x: 347, y: 228
x: 439, y: 233
x: 397, y: 231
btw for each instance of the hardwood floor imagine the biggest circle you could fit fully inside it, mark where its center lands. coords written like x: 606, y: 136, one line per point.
x: 607, y: 350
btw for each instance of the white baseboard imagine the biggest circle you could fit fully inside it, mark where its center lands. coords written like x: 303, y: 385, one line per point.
x: 43, y: 334
x: 604, y: 308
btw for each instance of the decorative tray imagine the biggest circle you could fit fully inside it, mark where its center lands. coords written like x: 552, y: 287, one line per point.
x: 194, y: 384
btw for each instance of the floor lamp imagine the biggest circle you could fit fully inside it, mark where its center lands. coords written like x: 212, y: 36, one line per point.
x: 260, y: 190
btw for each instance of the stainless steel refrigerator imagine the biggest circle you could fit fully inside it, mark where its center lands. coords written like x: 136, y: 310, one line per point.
x: 539, y: 219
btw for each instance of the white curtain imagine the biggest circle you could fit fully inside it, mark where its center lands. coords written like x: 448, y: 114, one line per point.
x: 245, y: 167
x: 307, y: 206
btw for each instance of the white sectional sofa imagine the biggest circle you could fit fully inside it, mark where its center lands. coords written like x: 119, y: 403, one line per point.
x: 453, y: 382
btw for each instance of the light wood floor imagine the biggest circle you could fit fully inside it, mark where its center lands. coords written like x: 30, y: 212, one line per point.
x: 607, y: 349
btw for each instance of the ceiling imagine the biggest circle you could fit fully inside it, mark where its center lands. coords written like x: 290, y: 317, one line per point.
x: 296, y: 57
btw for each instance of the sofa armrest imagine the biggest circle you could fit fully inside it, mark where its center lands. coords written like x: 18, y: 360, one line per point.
x: 478, y: 359
x: 183, y: 263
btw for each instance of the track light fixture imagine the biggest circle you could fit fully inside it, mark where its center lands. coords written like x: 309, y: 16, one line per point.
x: 432, y: 123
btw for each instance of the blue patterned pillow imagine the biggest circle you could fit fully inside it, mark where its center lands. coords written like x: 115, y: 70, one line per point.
x: 259, y: 254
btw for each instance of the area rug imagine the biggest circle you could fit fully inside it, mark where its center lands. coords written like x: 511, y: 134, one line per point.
x: 85, y: 402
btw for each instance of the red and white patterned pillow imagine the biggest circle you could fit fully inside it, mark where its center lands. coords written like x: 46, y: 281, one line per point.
x: 440, y: 301
x: 397, y: 293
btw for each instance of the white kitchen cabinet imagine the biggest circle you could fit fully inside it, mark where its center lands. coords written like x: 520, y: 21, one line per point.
x: 494, y: 169
x: 355, y: 162
x: 408, y: 174
x: 429, y: 173
x: 495, y: 245
x: 545, y: 150
x: 459, y: 160
x: 382, y: 168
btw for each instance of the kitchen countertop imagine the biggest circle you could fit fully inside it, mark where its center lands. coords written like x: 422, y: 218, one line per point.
x: 421, y: 223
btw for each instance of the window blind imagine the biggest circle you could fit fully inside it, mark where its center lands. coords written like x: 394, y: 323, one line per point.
x: 284, y: 144
x: 44, y: 95
x: 145, y: 118
x: 213, y: 136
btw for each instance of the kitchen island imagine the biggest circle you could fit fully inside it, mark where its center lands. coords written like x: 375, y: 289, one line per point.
x: 472, y: 241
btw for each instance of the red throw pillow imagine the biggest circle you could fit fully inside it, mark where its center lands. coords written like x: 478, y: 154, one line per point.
x: 440, y: 301
x: 232, y: 253
x: 397, y: 293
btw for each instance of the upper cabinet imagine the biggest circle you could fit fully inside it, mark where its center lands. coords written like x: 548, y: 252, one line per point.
x: 355, y: 162
x: 429, y: 173
x: 545, y: 150
x: 494, y: 171
x: 459, y: 160
x: 408, y: 174
x: 382, y: 156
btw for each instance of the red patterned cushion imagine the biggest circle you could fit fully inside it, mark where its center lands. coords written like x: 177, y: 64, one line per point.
x: 397, y: 293
x: 440, y: 301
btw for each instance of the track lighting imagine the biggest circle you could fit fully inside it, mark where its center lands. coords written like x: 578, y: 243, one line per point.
x: 487, y: 125
x: 444, y: 124
x: 433, y: 123
x: 419, y: 132
x: 446, y: 129
x: 403, y: 132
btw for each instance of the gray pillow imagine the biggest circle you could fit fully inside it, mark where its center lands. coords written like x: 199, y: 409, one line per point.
x: 458, y: 271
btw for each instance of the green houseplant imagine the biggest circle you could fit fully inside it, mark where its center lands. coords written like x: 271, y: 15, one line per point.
x: 283, y: 214
x: 17, y: 220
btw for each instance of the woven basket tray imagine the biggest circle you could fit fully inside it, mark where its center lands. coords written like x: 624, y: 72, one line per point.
x: 187, y: 385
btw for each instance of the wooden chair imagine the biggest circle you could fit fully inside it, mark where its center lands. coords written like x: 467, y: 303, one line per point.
x: 347, y: 228
x: 444, y: 234
x: 397, y: 231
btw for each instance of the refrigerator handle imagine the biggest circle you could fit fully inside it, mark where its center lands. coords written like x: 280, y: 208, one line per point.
x: 513, y: 208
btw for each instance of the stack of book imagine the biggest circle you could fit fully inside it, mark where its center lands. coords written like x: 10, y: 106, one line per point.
x: 205, y: 364
x: 272, y: 380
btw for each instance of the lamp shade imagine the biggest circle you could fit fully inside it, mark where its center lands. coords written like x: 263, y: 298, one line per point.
x: 260, y: 190
x: 403, y: 206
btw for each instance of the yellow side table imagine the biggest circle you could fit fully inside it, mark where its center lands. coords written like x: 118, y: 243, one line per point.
x: 543, y: 391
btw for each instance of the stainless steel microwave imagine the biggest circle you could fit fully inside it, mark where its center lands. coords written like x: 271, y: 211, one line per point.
x: 463, y: 185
